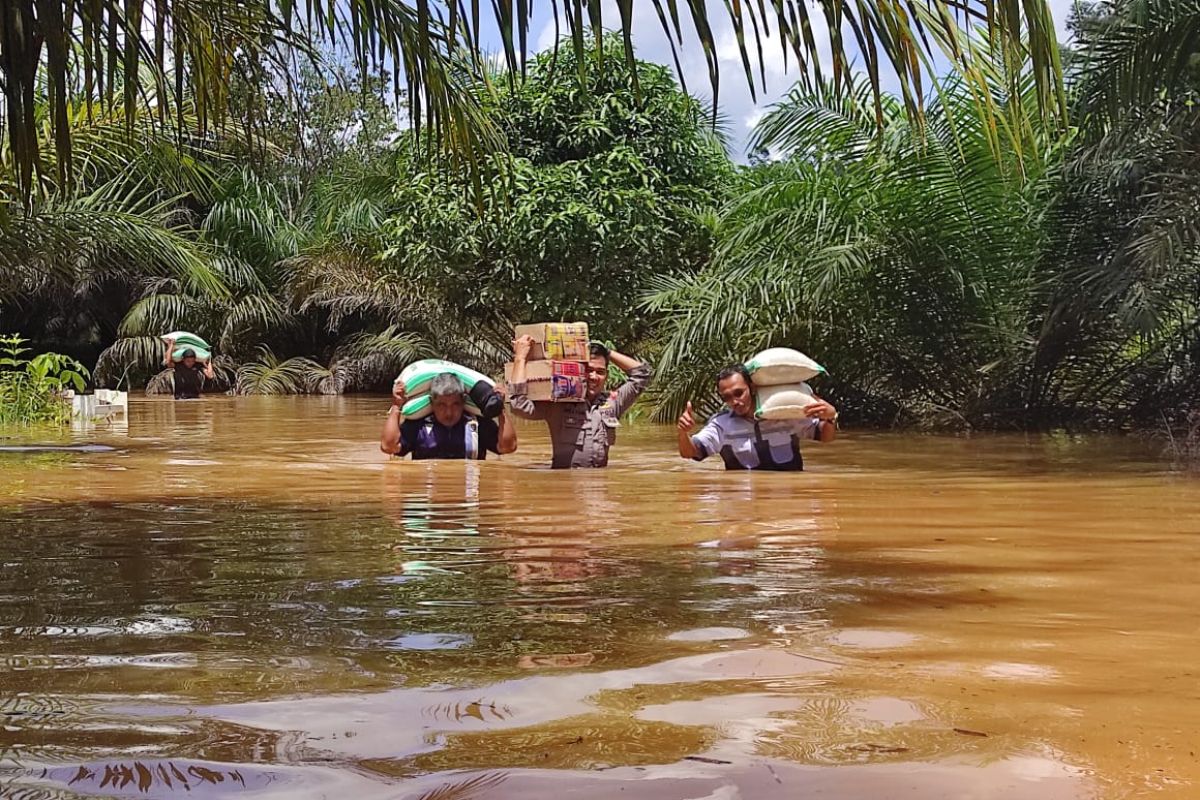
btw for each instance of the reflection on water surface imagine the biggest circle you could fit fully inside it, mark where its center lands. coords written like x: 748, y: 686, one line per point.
x: 242, y: 599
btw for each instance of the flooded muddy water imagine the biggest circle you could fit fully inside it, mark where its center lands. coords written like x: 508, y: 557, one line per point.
x: 244, y: 598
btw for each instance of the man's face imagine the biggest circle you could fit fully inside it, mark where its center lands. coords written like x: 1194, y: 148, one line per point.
x: 448, y: 409
x: 737, y: 395
x: 597, y: 375
x: 189, y: 362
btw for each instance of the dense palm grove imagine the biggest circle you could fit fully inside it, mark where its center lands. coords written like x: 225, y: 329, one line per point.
x: 950, y: 269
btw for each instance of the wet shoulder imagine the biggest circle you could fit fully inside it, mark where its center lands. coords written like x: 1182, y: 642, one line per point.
x: 725, y: 419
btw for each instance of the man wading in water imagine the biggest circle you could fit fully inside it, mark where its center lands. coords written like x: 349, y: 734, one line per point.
x: 449, y: 431
x: 189, y: 375
x: 745, y: 442
x: 580, y: 433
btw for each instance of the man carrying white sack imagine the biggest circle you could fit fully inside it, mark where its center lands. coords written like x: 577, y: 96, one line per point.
x: 743, y: 440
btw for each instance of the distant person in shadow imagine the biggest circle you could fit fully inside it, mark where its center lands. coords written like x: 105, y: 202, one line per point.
x: 448, y: 431
x: 745, y: 442
x: 189, y: 372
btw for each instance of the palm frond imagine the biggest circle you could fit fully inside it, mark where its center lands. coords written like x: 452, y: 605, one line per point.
x: 465, y: 788
x: 184, y: 50
x: 1137, y: 55
x: 156, y: 314
x: 130, y: 355
x: 369, y: 358
x: 271, y: 375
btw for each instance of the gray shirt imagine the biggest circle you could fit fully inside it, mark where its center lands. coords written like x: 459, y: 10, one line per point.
x: 581, y: 433
x: 755, y: 444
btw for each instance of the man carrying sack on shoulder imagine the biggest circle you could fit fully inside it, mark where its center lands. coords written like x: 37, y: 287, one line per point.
x: 189, y: 372
x: 449, y: 431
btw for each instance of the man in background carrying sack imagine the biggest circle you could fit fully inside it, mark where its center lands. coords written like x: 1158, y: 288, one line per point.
x: 189, y: 372
x: 581, y: 433
x: 448, y: 432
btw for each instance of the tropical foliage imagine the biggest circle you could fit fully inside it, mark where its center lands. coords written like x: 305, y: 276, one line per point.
x: 954, y: 282
x: 605, y: 185
x: 904, y: 259
x: 32, y: 390
x: 951, y: 269
x: 353, y: 251
x: 159, y: 58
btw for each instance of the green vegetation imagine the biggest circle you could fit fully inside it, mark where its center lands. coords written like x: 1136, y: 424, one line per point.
x: 31, y: 389
x: 950, y: 268
x: 180, y: 61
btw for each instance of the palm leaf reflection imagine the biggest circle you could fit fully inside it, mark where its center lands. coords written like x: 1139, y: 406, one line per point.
x: 465, y: 788
x: 148, y: 776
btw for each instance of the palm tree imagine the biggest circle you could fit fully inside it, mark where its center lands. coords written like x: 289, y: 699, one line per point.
x: 1123, y: 269
x: 154, y: 56
x: 1132, y: 54
x: 902, y: 259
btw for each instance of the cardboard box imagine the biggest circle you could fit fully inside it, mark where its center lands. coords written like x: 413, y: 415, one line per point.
x: 553, y: 381
x: 556, y: 341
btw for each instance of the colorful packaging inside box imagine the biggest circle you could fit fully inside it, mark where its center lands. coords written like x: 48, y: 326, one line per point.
x: 556, y: 341
x: 553, y: 381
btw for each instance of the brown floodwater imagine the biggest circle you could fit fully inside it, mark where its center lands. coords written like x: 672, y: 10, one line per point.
x: 244, y: 598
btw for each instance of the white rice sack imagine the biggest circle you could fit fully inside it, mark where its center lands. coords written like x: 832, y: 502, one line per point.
x: 785, y: 401
x: 782, y: 365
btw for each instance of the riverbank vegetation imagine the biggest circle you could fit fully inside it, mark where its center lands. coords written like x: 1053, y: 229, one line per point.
x: 33, y: 388
x: 951, y: 269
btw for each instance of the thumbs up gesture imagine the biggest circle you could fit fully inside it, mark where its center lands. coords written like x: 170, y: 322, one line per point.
x: 686, y: 420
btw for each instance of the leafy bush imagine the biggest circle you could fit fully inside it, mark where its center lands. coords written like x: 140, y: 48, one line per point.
x: 32, y: 389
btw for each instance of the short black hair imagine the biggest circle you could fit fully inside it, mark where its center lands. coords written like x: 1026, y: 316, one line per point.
x: 597, y: 349
x: 189, y: 353
x: 734, y: 369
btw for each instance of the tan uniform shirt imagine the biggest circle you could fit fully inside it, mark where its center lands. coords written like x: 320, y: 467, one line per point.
x: 581, y: 433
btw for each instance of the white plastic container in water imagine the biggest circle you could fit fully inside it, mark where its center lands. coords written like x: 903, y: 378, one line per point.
x: 104, y: 404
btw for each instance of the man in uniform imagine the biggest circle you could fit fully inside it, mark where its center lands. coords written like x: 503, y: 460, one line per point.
x: 581, y: 433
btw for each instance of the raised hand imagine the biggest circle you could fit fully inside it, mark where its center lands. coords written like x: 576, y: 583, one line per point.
x: 686, y: 420
x: 399, y: 393
x: 820, y: 410
x: 522, y: 346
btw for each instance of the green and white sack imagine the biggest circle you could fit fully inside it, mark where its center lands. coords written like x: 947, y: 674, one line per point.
x: 417, y: 376
x: 185, y: 341
x: 479, y: 390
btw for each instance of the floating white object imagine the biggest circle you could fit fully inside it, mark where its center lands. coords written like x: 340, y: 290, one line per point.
x: 105, y: 403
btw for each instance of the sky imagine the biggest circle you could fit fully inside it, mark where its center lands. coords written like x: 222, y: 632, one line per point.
x: 740, y: 110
